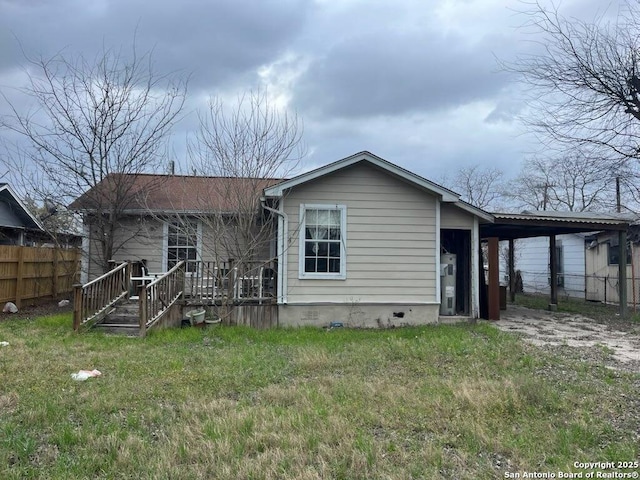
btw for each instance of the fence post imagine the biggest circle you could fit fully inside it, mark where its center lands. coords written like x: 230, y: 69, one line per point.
x: 54, y: 279
x: 19, y: 276
x: 77, y: 306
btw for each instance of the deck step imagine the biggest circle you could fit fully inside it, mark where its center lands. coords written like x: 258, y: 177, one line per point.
x: 119, y: 329
x: 122, y: 320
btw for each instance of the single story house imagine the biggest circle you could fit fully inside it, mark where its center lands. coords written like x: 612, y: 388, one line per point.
x: 360, y: 241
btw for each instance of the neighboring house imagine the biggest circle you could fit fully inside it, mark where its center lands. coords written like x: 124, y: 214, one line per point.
x: 602, y: 266
x: 17, y: 225
x: 532, y: 261
x: 358, y: 241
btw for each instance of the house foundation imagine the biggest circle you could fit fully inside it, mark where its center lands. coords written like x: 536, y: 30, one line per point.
x: 358, y: 315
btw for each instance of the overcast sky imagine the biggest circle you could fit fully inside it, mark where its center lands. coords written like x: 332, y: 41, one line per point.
x: 413, y: 81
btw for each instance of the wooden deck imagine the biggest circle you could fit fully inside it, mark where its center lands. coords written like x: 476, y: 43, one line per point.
x: 235, y: 294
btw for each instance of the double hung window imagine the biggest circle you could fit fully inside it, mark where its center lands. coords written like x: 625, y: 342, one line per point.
x: 322, y: 241
x: 182, y: 244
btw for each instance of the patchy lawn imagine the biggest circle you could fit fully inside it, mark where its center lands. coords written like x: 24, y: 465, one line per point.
x: 433, y: 402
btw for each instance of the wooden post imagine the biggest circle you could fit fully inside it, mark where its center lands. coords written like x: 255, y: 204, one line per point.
x: 622, y: 272
x: 512, y: 271
x: 142, y: 309
x: 494, y: 280
x: 54, y: 280
x: 19, y: 277
x: 77, y: 306
x: 127, y: 280
x: 232, y: 280
x: 553, y: 270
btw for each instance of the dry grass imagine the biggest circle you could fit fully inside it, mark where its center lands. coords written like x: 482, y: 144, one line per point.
x: 433, y: 402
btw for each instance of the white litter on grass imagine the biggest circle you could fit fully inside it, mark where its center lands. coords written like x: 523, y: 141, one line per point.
x: 82, y: 375
x: 63, y: 303
x: 4, y: 344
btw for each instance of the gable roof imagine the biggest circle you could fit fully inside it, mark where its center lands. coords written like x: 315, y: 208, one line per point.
x: 446, y: 195
x: 171, y: 193
x: 9, y: 198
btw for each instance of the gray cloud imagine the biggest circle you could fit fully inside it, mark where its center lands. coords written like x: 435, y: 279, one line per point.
x: 387, y: 73
x: 216, y: 41
x: 413, y: 81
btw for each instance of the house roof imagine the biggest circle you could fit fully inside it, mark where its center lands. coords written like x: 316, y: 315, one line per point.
x: 16, y: 207
x: 536, y: 224
x: 172, y: 193
x: 446, y: 195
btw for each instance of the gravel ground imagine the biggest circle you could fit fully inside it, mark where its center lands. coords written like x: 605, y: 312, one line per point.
x: 616, y: 344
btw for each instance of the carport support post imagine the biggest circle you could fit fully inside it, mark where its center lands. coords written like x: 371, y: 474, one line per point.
x: 622, y: 271
x: 494, y: 280
x: 512, y: 271
x: 553, y: 270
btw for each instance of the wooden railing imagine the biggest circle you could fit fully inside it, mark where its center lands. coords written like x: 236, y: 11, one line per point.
x: 230, y: 280
x: 157, y: 298
x: 93, y: 300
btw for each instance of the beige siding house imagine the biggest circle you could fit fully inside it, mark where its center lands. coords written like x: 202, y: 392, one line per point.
x: 167, y: 218
x: 360, y: 243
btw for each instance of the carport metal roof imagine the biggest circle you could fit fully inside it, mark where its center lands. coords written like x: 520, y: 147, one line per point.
x: 510, y: 226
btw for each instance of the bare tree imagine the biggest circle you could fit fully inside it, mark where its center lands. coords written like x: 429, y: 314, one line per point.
x: 59, y: 224
x: 96, y: 122
x: 241, y: 150
x: 569, y: 183
x: 583, y: 80
x: 255, y: 144
x: 480, y: 186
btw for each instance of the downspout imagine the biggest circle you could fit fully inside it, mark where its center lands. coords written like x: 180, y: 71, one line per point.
x: 281, y: 249
x: 475, y: 269
x: 438, y: 253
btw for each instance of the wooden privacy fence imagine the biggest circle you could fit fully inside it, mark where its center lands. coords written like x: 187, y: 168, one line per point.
x: 28, y: 274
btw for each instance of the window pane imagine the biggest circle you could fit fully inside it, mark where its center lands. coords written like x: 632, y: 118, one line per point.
x: 334, y: 249
x: 334, y: 233
x: 335, y: 217
x: 323, y: 249
x: 334, y: 265
x: 309, y: 264
x: 323, y: 233
x: 322, y: 265
x: 311, y: 217
x: 310, y: 249
x: 310, y: 233
x: 323, y: 217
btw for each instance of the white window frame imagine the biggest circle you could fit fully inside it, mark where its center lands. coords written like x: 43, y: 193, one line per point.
x: 342, y: 274
x: 165, y: 241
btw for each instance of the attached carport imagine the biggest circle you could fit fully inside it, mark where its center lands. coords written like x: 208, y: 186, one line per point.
x: 511, y: 226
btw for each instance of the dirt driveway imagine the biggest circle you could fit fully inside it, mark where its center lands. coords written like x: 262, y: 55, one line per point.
x: 618, y: 347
